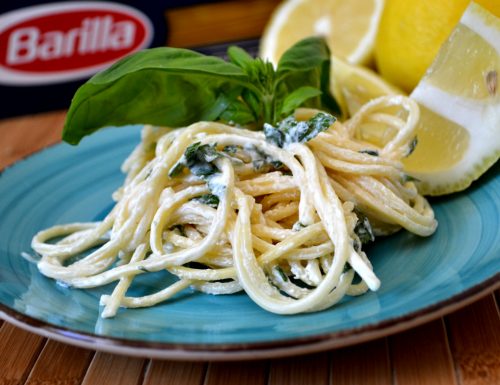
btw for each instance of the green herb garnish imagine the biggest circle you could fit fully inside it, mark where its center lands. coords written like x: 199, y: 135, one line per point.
x: 230, y: 149
x: 369, y: 152
x: 412, y: 146
x: 290, y: 130
x: 297, y: 226
x: 363, y: 228
x: 208, y: 199
x: 282, y: 274
x: 408, y: 178
x: 176, y: 87
x: 199, y: 159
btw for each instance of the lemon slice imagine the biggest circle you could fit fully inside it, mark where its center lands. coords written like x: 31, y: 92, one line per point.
x: 349, y: 27
x: 353, y: 85
x: 459, y: 130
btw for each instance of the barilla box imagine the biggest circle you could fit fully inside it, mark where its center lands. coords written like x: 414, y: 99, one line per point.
x: 48, y: 49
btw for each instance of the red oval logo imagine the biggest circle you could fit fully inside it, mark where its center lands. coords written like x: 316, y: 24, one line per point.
x: 65, y: 41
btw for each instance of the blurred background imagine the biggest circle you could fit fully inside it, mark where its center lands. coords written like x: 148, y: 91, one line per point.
x: 47, y: 49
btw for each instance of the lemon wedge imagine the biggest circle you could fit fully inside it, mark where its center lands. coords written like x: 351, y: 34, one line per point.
x: 350, y: 27
x: 411, y: 33
x: 459, y: 130
x: 353, y: 85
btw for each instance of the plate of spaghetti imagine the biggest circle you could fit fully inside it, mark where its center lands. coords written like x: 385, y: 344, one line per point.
x: 219, y: 241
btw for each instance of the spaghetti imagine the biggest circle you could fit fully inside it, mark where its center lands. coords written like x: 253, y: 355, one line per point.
x: 226, y: 210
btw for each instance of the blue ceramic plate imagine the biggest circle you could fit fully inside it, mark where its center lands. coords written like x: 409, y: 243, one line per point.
x: 422, y: 278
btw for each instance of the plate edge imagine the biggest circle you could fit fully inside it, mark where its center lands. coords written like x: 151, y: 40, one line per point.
x: 251, y: 351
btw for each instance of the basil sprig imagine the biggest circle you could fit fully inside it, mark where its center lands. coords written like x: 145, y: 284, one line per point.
x: 176, y: 87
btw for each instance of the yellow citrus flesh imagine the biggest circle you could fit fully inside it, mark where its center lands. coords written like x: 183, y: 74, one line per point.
x: 349, y: 27
x: 411, y: 33
x: 459, y: 128
x: 353, y: 85
x: 466, y: 59
x: 441, y: 143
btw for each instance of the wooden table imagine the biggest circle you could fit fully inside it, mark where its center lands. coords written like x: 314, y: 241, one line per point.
x: 460, y: 348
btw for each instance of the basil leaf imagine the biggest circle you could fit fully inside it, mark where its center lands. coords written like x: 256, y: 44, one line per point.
x: 176, y: 87
x: 199, y: 159
x: 306, y: 55
x: 230, y: 149
x: 412, y: 146
x: 222, y: 103
x: 290, y: 130
x: 408, y: 178
x: 240, y: 57
x: 237, y: 112
x: 363, y: 228
x: 307, y: 63
x: 369, y: 152
x: 297, y: 98
x: 208, y: 199
x: 262, y: 103
x: 318, y: 123
x: 282, y: 274
x: 160, y: 86
x: 274, y: 135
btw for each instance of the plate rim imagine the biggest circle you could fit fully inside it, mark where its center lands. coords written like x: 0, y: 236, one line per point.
x: 251, y: 350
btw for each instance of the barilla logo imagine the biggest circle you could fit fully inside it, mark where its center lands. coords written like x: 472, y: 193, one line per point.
x: 59, y: 42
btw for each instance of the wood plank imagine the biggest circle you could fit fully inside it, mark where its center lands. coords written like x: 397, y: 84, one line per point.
x: 475, y: 342
x: 366, y: 364
x: 111, y: 369
x: 241, y: 373
x: 297, y: 370
x: 18, y: 351
x: 174, y: 373
x: 421, y: 356
x: 218, y: 22
x: 60, y: 363
x: 24, y: 135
